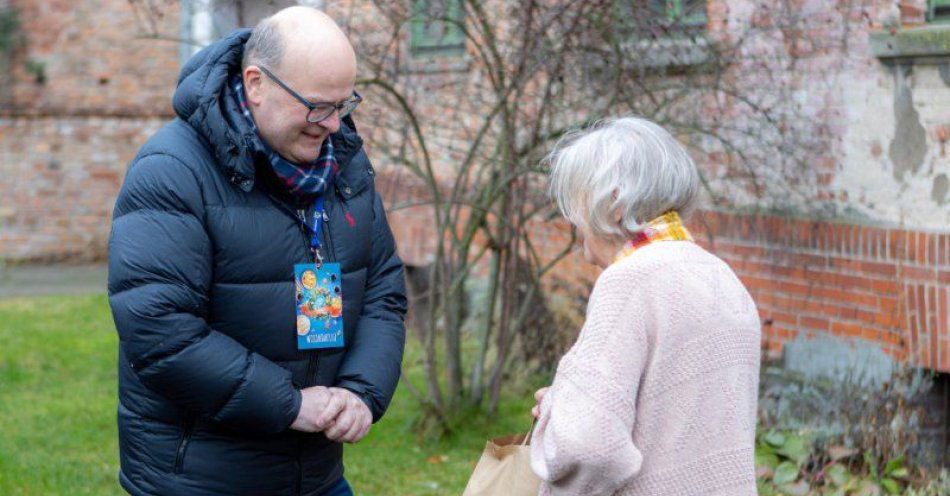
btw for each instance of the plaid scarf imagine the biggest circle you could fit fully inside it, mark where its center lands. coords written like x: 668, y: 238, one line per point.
x: 667, y: 227
x: 303, y: 181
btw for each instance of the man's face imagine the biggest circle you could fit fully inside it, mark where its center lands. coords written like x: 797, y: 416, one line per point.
x: 282, y: 119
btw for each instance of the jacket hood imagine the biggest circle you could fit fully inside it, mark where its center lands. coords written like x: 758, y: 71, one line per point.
x: 201, y: 99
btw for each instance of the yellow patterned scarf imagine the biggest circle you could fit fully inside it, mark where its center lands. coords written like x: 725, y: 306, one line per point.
x: 667, y: 227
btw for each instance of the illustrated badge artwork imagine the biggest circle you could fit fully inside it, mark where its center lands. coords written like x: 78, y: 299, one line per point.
x: 319, y: 302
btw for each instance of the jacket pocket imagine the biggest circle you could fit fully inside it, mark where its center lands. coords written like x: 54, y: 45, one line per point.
x: 188, y: 430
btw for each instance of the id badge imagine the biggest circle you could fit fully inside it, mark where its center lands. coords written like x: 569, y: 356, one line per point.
x: 319, y: 303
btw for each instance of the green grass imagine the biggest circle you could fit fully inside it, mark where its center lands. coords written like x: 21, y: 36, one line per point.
x: 58, y: 398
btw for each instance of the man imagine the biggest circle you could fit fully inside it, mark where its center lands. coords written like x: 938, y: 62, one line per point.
x: 253, y: 277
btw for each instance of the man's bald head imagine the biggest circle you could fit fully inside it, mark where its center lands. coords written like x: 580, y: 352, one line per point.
x: 310, y: 62
x: 300, y: 34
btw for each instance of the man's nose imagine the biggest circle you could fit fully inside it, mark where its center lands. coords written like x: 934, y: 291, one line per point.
x: 332, y: 122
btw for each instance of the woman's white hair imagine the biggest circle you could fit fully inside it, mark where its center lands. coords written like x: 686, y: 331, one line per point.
x: 629, y: 166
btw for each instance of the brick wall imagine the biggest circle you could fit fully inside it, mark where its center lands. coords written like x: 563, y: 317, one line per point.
x: 65, y: 142
x: 885, y: 285
x: 59, y: 182
x: 850, y: 278
x: 64, y: 145
x: 97, y: 59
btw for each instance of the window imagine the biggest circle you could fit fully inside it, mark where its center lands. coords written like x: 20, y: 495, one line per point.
x: 663, y: 34
x: 938, y: 11
x: 655, y: 19
x: 680, y: 14
x: 436, y: 27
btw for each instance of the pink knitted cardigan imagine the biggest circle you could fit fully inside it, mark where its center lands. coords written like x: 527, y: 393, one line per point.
x: 658, y: 394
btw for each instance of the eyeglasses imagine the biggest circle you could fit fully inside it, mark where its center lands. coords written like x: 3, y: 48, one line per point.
x: 320, y: 110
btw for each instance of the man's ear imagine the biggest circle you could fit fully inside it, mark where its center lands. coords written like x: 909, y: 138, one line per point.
x: 253, y: 84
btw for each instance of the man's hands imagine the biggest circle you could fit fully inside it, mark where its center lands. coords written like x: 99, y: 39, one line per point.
x: 315, y: 401
x: 338, y: 412
x: 354, y: 420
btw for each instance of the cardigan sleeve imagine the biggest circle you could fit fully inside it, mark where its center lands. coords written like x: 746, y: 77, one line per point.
x: 583, y: 442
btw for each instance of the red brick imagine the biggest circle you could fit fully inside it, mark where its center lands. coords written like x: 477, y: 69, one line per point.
x: 943, y: 249
x: 742, y: 250
x: 796, y: 273
x: 870, y: 334
x: 934, y: 347
x: 794, y: 288
x: 911, y: 247
x: 848, y: 296
x: 868, y: 243
x: 892, y: 338
x: 751, y: 267
x: 932, y: 249
x: 879, y: 269
x: 913, y: 331
x: 886, y: 287
x: 815, y: 323
x: 844, y: 239
x: 943, y: 301
x: 891, y: 242
x: 876, y: 269
x: 921, y: 274
x: 845, y: 330
x: 890, y: 320
x: 918, y: 346
x: 759, y: 283
x: 887, y: 303
x: 784, y: 318
x: 783, y: 333
x: 878, y: 247
x: 762, y: 298
x: 899, y: 245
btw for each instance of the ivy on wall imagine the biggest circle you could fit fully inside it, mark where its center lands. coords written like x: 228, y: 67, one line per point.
x: 12, y: 40
x: 11, y: 37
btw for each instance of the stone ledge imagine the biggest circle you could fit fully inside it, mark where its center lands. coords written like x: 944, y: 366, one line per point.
x: 672, y: 51
x: 912, y: 43
x: 439, y: 62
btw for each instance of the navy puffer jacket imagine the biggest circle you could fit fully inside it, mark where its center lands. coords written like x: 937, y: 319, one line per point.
x: 201, y: 257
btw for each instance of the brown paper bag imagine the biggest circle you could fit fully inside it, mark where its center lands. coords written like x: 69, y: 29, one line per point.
x: 504, y: 469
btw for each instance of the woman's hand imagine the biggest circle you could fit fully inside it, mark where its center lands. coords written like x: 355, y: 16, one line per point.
x: 538, y: 396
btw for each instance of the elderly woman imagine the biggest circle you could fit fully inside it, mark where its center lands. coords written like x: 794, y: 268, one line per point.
x: 658, y: 394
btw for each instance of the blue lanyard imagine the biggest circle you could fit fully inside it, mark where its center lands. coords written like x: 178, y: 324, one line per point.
x: 319, y: 216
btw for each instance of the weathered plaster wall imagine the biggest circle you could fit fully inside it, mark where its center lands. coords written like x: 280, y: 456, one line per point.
x: 894, y: 167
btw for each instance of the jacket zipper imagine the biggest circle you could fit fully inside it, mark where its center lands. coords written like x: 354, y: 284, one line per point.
x: 187, y: 431
x: 314, y: 359
x: 299, y: 482
x: 311, y: 359
x: 313, y: 365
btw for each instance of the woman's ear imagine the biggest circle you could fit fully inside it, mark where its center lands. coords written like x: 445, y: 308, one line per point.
x: 618, y: 217
x: 617, y: 214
